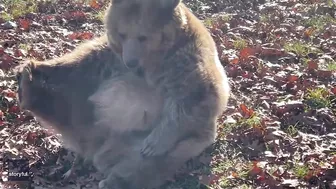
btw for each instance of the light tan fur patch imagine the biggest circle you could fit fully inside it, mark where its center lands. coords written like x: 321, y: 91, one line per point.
x: 126, y: 103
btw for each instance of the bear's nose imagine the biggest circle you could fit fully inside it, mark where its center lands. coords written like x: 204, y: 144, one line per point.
x: 132, y: 63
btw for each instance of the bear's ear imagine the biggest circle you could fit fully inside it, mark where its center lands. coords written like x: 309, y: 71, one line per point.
x: 169, y: 4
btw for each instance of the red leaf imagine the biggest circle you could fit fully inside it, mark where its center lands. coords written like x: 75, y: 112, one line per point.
x: 31, y: 138
x: 327, y: 35
x: 86, y: 35
x: 247, y: 112
x: 318, y: 171
x: 10, y: 93
x: 49, y: 17
x: 261, y: 177
x: 255, y: 169
x: 234, y: 175
x: 309, y: 32
x: 235, y: 61
x: 266, y: 51
x: 94, y: 4
x: 73, y: 36
x: 333, y: 90
x: 2, y: 51
x: 81, y: 36
x: 78, y: 14
x: 245, y: 74
x: 333, y: 160
x: 25, y: 24
x: 246, y: 52
x: 6, y: 61
x: 309, y: 175
x: 14, y: 109
x: 18, y: 53
x: 75, y: 15
x: 292, y: 78
x: 35, y: 54
x: 312, y: 65
x: 324, y: 74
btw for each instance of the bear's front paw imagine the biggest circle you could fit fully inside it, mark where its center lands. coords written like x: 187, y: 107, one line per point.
x: 23, y: 73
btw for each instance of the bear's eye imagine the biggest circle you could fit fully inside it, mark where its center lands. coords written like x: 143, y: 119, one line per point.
x: 142, y: 38
x: 122, y: 36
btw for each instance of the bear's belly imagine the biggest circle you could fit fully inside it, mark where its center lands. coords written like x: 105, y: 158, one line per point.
x: 126, y: 103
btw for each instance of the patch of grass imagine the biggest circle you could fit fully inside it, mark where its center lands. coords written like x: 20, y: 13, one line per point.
x: 252, y: 121
x: 227, y: 128
x: 292, y: 130
x: 208, y: 22
x: 239, y: 44
x: 300, y: 49
x: 305, y: 61
x: 6, y: 16
x: 24, y: 46
x: 318, y: 98
x: 100, y: 15
x: 331, y: 66
x: 245, y: 186
x: 265, y: 18
x: 226, y: 166
x: 223, y: 166
x: 271, y: 169
x: 224, y: 182
x: 319, y: 22
x: 331, y: 3
x: 18, y: 8
x: 300, y: 170
x: 243, y: 173
x: 225, y: 18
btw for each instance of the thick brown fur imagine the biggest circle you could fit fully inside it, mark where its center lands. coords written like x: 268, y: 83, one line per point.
x: 179, y: 60
x: 58, y: 93
x: 141, y: 110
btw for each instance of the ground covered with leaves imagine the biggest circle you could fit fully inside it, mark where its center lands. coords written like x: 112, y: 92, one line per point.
x: 279, y: 130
